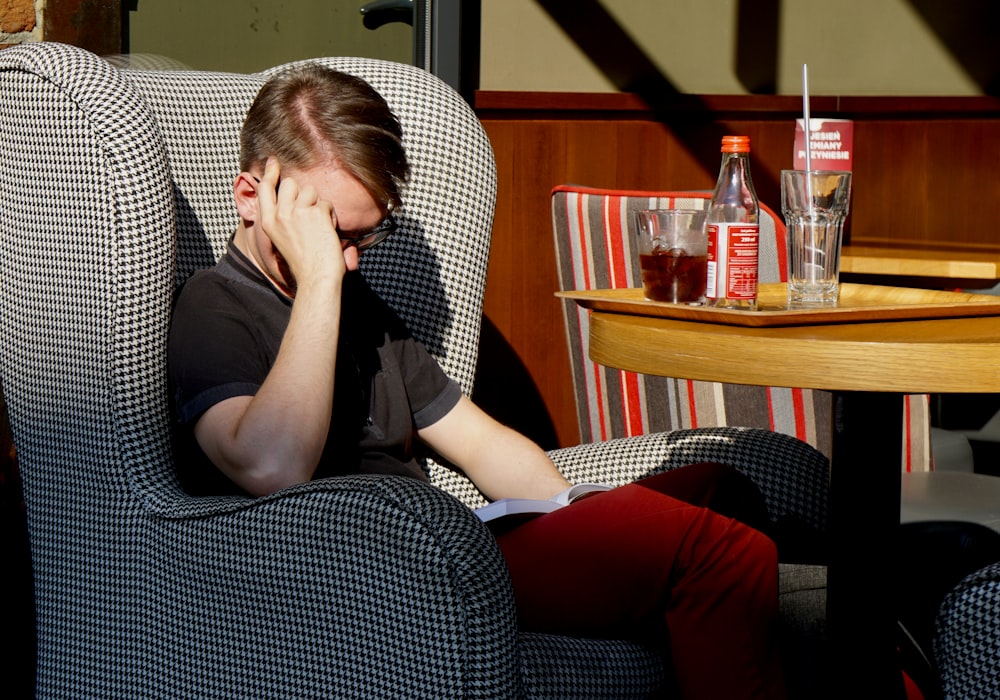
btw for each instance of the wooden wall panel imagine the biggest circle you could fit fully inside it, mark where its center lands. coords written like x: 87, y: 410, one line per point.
x: 523, y: 345
x: 942, y: 172
x: 934, y: 159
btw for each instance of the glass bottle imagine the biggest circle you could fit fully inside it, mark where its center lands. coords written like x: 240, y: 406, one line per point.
x: 733, y: 232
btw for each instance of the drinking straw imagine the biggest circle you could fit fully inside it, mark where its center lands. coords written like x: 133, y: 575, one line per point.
x: 808, y: 138
x: 805, y: 113
x: 808, y: 131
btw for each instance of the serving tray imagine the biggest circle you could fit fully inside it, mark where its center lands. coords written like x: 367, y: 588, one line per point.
x: 858, y: 303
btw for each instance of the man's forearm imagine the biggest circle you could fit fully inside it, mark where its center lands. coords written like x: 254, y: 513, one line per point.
x: 500, y: 461
x: 278, y: 437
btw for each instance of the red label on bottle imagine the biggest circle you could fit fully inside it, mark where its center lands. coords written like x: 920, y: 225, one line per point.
x: 732, y: 261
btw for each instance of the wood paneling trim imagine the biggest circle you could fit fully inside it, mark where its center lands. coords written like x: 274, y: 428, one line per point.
x: 586, y: 105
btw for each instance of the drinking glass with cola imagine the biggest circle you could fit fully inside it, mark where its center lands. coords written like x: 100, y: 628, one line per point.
x: 673, y: 254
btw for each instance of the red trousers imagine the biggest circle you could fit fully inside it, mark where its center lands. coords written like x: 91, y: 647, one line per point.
x: 652, y: 557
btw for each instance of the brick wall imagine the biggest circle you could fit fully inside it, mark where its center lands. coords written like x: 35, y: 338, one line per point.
x: 20, y: 21
x: 95, y: 25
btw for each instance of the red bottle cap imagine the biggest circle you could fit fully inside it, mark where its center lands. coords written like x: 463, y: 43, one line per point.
x: 735, y: 144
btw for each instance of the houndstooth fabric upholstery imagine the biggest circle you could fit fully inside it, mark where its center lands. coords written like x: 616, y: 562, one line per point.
x: 967, y: 637
x: 357, y: 587
x: 791, y: 475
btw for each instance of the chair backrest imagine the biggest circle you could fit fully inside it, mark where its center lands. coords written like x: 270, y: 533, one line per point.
x: 595, y: 245
x: 114, y: 187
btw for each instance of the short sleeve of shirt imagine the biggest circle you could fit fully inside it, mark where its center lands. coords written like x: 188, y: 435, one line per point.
x: 224, y: 336
x: 404, y: 371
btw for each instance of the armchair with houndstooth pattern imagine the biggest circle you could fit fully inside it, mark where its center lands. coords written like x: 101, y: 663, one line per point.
x: 114, y: 188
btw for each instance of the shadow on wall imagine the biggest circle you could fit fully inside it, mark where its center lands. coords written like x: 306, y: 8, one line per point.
x: 968, y: 29
x: 505, y: 390
x: 612, y: 50
x: 965, y: 27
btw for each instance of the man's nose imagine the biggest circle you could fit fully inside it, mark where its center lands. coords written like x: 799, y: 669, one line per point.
x: 351, y: 255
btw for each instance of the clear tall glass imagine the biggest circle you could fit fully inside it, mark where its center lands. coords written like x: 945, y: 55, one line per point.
x: 815, y: 204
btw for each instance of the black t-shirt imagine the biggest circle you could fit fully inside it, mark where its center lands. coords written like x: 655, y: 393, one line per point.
x: 225, y: 333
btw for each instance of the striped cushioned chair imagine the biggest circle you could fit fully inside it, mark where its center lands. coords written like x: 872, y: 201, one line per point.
x: 595, y: 248
x: 114, y: 188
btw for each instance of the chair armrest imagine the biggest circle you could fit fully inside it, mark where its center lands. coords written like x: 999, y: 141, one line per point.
x: 318, y: 589
x: 792, y: 475
x: 966, y: 632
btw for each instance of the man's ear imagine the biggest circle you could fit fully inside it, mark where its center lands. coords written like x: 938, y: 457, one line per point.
x: 245, y: 196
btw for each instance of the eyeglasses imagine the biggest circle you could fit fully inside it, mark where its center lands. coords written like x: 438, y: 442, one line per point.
x: 373, y: 237
x: 369, y: 239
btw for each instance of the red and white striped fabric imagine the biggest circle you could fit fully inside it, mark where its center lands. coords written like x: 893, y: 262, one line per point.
x: 595, y: 249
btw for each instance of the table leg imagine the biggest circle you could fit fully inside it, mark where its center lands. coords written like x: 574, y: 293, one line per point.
x: 864, y: 527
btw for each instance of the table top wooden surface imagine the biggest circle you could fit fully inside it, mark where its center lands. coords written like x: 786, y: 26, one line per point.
x: 938, y: 263
x: 937, y: 355
x: 856, y: 303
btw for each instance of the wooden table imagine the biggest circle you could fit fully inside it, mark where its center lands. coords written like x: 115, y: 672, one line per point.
x: 868, y: 361
x: 935, y: 267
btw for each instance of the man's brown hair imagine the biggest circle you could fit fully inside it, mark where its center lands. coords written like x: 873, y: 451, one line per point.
x: 310, y: 114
